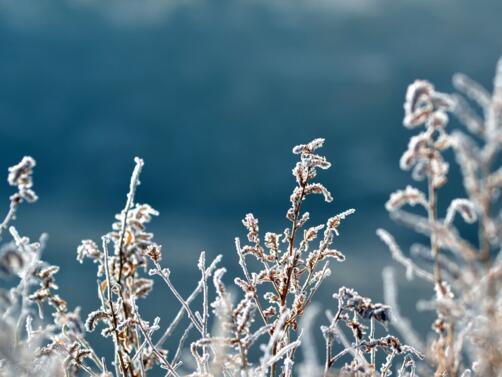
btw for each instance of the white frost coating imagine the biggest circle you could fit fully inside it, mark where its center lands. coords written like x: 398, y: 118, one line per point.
x: 464, y: 207
x: 410, y: 195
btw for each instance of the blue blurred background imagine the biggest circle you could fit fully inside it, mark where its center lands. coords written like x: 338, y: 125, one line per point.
x: 213, y: 94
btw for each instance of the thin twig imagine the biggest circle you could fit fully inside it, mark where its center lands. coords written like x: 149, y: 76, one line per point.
x: 165, y: 276
x: 148, y: 339
x: 190, y: 298
x: 118, y: 352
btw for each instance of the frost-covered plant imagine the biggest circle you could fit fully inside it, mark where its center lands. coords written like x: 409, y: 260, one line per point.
x: 293, y: 266
x: 274, y: 297
x: 355, y: 311
x: 466, y: 276
x: 266, y: 328
x: 290, y: 274
x: 258, y: 335
x: 32, y: 342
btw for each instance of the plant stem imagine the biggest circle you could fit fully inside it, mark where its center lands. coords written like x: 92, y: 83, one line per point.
x: 373, y: 350
x: 118, y: 352
x: 485, y: 201
x: 292, y: 237
x: 432, y: 212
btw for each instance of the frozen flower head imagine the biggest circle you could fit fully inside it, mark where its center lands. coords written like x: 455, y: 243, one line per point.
x: 20, y: 175
x: 308, y: 158
x: 425, y: 106
x: 424, y: 157
x: 88, y: 249
x: 421, y: 102
x: 350, y: 301
x: 305, y: 170
x: 308, y: 148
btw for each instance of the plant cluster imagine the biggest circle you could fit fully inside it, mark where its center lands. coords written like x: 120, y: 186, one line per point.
x: 260, y: 324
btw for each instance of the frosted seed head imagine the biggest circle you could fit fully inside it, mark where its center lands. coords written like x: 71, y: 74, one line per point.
x: 308, y: 148
x: 422, y: 101
x: 20, y: 174
x: 418, y: 104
